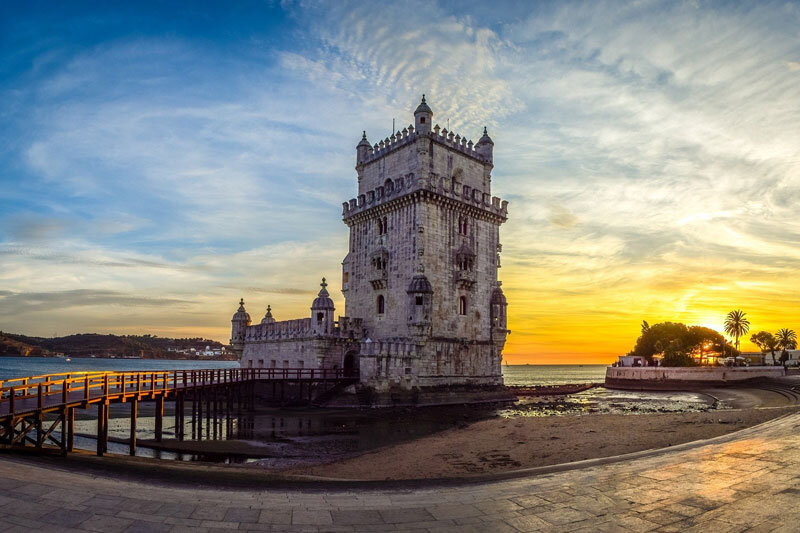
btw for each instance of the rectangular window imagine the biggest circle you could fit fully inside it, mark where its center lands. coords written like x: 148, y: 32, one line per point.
x: 301, y: 364
x: 260, y: 363
x: 346, y: 277
x: 273, y: 364
x: 286, y: 364
x: 419, y: 300
x: 249, y: 363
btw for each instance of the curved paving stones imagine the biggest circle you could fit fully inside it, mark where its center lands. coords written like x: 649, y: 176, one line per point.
x: 750, y: 483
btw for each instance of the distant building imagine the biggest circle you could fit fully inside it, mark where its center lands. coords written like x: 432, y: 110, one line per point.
x: 423, y: 306
x: 766, y: 359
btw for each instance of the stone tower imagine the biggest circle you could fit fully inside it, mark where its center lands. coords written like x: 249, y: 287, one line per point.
x: 239, y: 325
x: 424, y: 252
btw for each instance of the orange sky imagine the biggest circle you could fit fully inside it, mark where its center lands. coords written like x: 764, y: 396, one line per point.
x: 153, y: 175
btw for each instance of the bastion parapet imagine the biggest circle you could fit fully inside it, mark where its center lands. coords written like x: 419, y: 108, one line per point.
x: 423, y: 304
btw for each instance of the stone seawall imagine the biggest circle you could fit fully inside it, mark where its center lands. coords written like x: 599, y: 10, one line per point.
x: 680, y: 378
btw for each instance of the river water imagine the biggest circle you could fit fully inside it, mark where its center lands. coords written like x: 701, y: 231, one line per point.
x: 18, y: 367
x: 280, y: 437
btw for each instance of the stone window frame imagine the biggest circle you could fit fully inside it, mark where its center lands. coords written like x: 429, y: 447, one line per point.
x: 463, y: 305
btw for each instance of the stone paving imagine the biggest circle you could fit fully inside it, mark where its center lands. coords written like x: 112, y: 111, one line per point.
x: 750, y: 482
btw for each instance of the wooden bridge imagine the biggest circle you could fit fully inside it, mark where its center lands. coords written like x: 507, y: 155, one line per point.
x: 219, y: 393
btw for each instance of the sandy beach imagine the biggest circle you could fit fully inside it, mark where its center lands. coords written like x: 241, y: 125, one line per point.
x: 503, y: 444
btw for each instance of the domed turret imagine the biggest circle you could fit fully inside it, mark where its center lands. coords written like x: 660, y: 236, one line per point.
x: 485, y: 146
x: 420, y: 305
x: 239, y: 324
x: 268, y: 319
x: 323, y: 299
x: 362, y: 149
x: 498, y: 309
x: 420, y: 285
x: 423, y: 117
x: 322, y: 311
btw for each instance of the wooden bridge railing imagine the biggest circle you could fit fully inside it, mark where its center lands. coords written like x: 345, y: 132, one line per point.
x: 49, y: 389
x: 24, y: 401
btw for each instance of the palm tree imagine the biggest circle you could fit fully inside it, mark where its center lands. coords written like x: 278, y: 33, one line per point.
x: 737, y: 325
x: 787, y: 340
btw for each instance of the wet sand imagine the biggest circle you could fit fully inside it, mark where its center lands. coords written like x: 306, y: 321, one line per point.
x: 504, y: 444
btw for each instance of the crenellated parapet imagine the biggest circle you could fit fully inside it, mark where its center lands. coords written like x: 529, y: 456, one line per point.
x: 444, y: 186
x: 367, y: 154
x: 299, y: 328
x: 302, y: 328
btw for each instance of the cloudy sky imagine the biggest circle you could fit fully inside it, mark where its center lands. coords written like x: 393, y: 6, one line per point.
x: 157, y: 162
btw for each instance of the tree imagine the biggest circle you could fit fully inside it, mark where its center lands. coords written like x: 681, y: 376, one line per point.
x: 737, y: 325
x: 766, y: 342
x: 786, y: 339
x: 678, y: 343
x: 645, y: 326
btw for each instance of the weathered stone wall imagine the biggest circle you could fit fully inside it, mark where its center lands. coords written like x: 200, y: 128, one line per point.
x: 424, y: 213
x: 300, y: 352
x: 424, y: 230
x: 676, y: 378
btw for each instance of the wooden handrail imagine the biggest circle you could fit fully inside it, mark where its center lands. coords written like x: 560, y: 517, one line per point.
x: 155, y: 382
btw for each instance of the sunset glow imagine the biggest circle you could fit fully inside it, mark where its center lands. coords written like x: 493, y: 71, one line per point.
x: 157, y: 167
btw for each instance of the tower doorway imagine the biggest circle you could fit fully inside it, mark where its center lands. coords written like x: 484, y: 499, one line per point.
x: 350, y: 364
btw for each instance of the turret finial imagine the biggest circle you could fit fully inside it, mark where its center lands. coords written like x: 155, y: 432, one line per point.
x: 364, y: 134
x: 323, y: 284
x: 484, y: 131
x: 423, y: 98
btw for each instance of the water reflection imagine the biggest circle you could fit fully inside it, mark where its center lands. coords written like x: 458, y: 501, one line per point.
x: 283, y: 437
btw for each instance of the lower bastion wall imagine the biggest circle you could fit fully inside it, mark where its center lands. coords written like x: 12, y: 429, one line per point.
x: 666, y: 378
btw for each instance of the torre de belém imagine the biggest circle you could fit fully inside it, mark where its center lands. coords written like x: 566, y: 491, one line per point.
x: 423, y: 305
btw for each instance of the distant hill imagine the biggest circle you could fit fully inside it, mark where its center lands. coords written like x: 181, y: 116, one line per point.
x: 88, y: 344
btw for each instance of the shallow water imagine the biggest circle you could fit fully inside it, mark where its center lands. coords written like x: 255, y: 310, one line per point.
x: 607, y: 401
x: 277, y: 437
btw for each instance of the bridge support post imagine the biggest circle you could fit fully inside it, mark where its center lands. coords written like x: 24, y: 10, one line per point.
x: 194, y: 415
x: 70, y: 421
x: 159, y: 417
x: 64, y: 430
x: 106, y: 416
x: 39, y: 433
x: 199, y: 414
x: 134, y: 418
x: 215, y: 415
x: 207, y: 397
x: 101, y: 414
x: 179, y: 416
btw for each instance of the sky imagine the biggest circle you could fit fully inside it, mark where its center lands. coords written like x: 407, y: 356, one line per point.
x: 158, y: 161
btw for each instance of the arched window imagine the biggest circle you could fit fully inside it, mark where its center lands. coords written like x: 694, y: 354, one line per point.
x: 380, y: 226
x: 320, y: 316
x: 381, y: 304
x: 385, y: 226
x: 388, y: 186
x: 462, y: 305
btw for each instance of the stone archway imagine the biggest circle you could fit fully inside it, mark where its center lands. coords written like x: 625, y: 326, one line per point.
x: 350, y: 363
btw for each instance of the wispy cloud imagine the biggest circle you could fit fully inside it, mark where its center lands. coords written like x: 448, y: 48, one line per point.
x: 649, y: 151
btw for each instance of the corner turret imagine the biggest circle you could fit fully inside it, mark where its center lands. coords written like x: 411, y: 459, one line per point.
x: 485, y: 146
x: 423, y: 117
x: 322, y: 311
x: 363, y: 149
x: 498, y: 307
x: 268, y: 319
x: 239, y: 324
x: 420, y: 305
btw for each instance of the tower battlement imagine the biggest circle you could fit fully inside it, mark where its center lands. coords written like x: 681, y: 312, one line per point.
x: 444, y: 186
x: 419, y: 279
x: 407, y: 136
